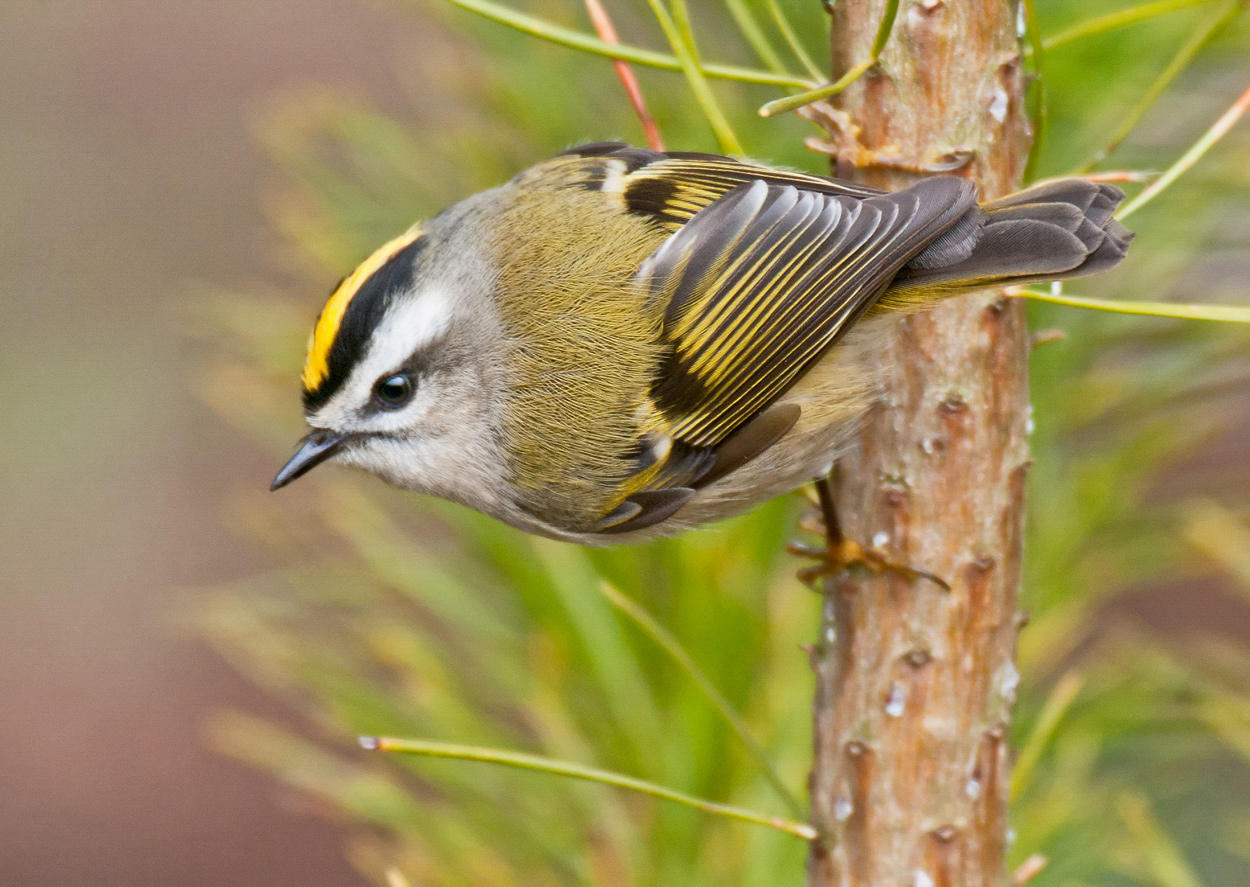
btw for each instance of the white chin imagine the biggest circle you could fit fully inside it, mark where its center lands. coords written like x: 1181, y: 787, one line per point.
x: 397, y: 462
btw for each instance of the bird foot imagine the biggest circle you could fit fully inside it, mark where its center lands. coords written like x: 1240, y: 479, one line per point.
x: 839, y: 554
x: 836, y: 558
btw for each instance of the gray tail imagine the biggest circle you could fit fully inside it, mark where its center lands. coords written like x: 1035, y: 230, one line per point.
x: 1054, y: 230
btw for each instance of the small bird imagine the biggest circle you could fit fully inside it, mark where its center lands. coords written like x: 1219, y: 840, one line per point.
x: 621, y: 343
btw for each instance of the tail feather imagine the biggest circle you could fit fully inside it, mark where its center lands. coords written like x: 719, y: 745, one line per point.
x: 1052, y: 231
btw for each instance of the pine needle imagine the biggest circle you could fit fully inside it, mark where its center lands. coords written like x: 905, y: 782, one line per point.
x: 794, y: 102
x: 562, y: 36
x: 522, y: 761
x: 1181, y: 311
x: 1217, y: 131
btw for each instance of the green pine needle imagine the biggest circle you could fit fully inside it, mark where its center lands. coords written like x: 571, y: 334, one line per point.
x: 680, y: 36
x: 1053, y: 710
x: 1207, y: 29
x: 670, y: 645
x: 522, y: 761
x: 1219, y: 313
x: 1121, y: 18
x: 791, y: 103
x: 573, y: 39
x: 1195, y: 153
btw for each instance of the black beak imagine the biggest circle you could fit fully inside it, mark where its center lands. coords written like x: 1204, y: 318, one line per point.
x: 315, y: 449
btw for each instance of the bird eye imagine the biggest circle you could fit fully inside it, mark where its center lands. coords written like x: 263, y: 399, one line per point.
x: 392, y: 392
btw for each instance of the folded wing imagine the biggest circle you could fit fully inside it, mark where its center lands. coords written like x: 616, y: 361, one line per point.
x: 755, y: 287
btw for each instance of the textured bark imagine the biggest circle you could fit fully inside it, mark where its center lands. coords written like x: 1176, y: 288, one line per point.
x: 915, y: 684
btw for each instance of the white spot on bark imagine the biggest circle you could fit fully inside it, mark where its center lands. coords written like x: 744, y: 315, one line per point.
x: 1008, y: 682
x: 896, y: 702
x: 998, y: 105
x: 880, y: 539
x: 922, y: 879
x: 973, y: 789
x: 842, y: 809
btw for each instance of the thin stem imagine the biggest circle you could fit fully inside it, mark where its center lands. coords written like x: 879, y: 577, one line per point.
x: 607, y: 31
x: 1217, y: 131
x: 670, y: 645
x: 676, y: 28
x: 792, y: 40
x: 1119, y: 19
x: 791, y: 103
x: 430, y: 749
x: 1220, y: 313
x: 553, y: 33
x: 754, y: 35
x: 1178, y: 63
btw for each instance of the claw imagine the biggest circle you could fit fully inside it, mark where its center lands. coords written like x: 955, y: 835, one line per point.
x: 837, y: 558
x: 839, y: 554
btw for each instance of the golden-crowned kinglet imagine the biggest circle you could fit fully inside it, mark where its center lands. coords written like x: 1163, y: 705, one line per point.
x: 621, y: 343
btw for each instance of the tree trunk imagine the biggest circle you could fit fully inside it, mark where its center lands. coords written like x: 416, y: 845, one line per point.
x: 914, y: 685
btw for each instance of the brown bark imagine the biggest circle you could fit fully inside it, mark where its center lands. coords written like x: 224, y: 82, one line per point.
x: 915, y: 684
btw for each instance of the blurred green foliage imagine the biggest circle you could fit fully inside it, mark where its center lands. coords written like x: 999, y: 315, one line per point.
x: 411, y: 617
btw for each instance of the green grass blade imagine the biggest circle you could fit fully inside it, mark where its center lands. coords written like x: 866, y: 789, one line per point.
x: 573, y: 39
x: 1219, y: 534
x: 1121, y: 18
x: 540, y: 764
x: 1053, y: 710
x: 611, y: 658
x: 1161, y: 857
x: 1228, y: 717
x: 1204, y: 144
x: 670, y: 645
x: 1218, y: 313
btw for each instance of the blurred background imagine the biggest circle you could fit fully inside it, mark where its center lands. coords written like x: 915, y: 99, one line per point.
x: 131, y: 172
x: 185, y: 661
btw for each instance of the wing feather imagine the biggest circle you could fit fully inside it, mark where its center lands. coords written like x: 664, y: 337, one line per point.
x: 762, y: 281
x: 763, y: 271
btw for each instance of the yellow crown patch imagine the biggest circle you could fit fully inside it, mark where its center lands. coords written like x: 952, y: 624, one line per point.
x: 321, y: 339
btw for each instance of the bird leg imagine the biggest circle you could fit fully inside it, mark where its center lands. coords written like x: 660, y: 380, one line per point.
x: 840, y: 553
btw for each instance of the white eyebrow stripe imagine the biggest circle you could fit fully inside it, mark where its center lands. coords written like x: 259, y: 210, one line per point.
x: 410, y: 325
x: 407, y: 328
